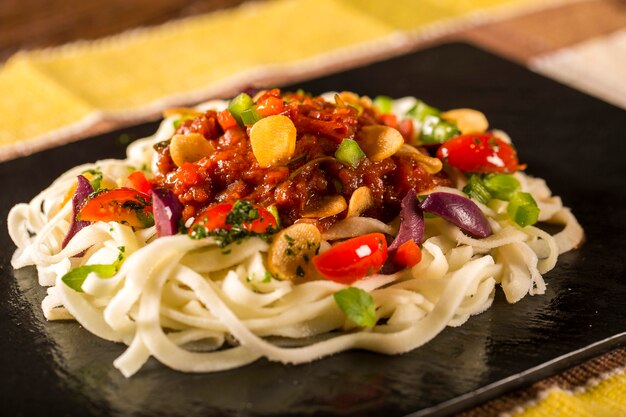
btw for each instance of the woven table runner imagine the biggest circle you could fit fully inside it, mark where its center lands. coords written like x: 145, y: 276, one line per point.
x: 596, y: 388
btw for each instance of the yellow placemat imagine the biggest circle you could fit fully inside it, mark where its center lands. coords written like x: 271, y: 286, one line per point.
x: 50, y: 95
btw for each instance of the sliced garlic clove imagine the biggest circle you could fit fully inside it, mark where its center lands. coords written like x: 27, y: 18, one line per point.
x: 273, y: 140
x: 360, y: 200
x: 189, y: 148
x: 379, y: 141
x: 431, y: 165
x: 325, y: 207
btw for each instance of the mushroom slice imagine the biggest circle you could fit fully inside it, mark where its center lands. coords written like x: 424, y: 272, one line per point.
x: 181, y: 111
x: 273, y: 140
x: 467, y: 120
x: 292, y: 249
x: 360, y: 200
x: 430, y: 165
x: 189, y: 148
x: 325, y: 207
x: 379, y: 141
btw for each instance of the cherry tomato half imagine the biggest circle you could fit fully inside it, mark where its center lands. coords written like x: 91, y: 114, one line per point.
x: 408, y: 254
x: 214, y: 217
x: 353, y: 259
x: 479, y: 153
x: 139, y: 182
x: 123, y: 205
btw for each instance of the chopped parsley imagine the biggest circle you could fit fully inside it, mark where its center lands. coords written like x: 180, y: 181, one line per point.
x: 236, y: 227
x: 242, y: 212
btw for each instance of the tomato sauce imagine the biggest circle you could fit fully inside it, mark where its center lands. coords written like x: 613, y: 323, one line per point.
x: 232, y: 172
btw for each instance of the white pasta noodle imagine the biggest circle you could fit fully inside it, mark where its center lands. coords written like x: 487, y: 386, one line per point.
x: 196, y: 307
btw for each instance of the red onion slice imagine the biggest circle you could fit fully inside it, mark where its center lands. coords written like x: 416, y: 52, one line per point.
x: 458, y: 210
x: 411, y: 228
x: 167, y: 212
x: 83, y: 189
x: 411, y: 222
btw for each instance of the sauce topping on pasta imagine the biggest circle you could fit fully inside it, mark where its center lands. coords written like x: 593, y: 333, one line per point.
x: 230, y: 170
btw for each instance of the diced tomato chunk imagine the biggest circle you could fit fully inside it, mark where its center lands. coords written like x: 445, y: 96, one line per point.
x: 408, y: 254
x: 226, y: 120
x: 389, y: 119
x: 188, y: 174
x: 139, y: 182
x: 269, y: 106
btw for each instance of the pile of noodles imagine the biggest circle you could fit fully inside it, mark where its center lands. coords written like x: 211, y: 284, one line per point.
x: 196, y: 308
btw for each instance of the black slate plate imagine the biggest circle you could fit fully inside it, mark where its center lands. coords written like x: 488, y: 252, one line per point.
x: 573, y: 141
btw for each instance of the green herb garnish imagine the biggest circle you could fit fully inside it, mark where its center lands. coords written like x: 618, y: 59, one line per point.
x: 357, y: 305
x: 76, y: 277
